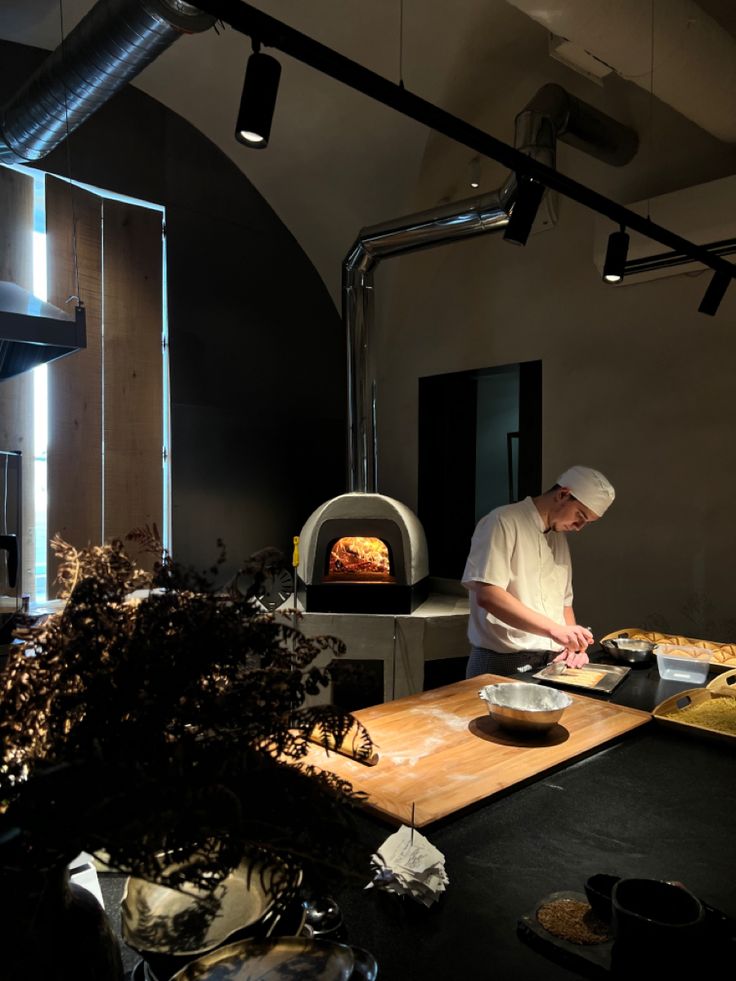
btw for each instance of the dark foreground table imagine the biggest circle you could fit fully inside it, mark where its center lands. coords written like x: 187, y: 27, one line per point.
x: 656, y: 804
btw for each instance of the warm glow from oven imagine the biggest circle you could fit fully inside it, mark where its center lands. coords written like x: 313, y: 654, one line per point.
x: 356, y: 558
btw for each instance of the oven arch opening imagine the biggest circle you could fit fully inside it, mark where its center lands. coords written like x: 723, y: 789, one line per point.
x: 359, y: 558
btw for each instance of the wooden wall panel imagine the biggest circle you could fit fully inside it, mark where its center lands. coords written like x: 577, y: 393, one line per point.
x: 75, y: 382
x: 133, y: 389
x: 16, y: 394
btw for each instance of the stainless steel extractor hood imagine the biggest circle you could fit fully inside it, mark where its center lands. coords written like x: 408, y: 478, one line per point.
x: 33, y: 332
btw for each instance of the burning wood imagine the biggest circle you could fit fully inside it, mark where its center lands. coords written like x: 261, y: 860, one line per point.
x: 360, y: 558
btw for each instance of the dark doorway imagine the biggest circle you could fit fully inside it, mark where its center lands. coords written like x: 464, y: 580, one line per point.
x: 480, y: 446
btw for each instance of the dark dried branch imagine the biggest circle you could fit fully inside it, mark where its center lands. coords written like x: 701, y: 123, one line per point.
x: 160, y: 726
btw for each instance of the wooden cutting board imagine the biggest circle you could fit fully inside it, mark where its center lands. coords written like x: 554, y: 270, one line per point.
x: 440, y: 750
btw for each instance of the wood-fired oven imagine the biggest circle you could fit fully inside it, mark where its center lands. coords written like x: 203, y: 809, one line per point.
x: 362, y: 553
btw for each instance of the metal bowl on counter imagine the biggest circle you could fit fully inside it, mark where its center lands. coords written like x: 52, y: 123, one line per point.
x: 632, y: 652
x: 522, y: 706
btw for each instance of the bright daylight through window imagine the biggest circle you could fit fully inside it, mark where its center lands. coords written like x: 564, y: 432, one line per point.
x: 43, y: 491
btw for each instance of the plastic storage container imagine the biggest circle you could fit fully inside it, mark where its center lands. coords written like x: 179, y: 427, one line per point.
x: 680, y: 667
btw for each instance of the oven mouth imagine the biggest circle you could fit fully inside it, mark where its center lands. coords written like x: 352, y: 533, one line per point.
x: 359, y: 559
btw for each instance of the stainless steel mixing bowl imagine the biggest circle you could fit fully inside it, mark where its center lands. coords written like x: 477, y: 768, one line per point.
x: 634, y: 652
x: 523, y: 706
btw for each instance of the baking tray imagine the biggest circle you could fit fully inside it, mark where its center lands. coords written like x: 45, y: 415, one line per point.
x: 692, y: 696
x: 610, y: 678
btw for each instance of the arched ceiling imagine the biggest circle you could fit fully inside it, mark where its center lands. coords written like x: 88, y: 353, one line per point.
x: 336, y: 161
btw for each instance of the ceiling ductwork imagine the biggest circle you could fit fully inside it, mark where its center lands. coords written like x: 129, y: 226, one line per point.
x: 694, y: 69
x: 551, y: 115
x: 112, y: 44
x: 108, y: 48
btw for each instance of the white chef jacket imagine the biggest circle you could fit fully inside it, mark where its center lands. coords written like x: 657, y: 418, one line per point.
x: 510, y: 549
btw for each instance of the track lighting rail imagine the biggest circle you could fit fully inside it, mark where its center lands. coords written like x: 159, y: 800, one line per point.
x: 271, y: 32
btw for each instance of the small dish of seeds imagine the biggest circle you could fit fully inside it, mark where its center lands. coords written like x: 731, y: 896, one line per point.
x: 573, y: 920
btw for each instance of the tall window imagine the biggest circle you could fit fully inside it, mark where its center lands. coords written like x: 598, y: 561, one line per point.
x: 99, y: 426
x: 40, y: 403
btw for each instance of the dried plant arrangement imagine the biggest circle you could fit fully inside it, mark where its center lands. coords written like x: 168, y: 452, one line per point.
x: 168, y: 731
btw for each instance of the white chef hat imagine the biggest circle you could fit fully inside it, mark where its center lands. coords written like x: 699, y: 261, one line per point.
x: 590, y: 487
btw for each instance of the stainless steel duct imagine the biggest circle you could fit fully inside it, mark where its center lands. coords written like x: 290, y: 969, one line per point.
x: 674, y: 50
x: 105, y: 51
x: 550, y: 115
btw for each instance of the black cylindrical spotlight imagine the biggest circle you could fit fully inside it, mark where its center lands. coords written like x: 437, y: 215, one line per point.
x: 258, y: 100
x: 528, y: 198
x: 715, y: 292
x: 615, y: 263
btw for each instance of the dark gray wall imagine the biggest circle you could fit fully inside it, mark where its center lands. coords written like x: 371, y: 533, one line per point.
x: 637, y: 383
x: 257, y: 347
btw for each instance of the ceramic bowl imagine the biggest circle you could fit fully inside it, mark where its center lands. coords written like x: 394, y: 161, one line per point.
x: 651, y: 911
x: 156, y: 919
x: 599, y: 890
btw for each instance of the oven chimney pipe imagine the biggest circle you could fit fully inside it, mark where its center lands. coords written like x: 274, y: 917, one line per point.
x: 550, y: 115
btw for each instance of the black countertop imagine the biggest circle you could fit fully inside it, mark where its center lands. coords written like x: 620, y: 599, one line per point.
x: 655, y: 803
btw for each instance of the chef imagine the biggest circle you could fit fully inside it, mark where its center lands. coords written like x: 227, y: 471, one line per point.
x: 519, y: 577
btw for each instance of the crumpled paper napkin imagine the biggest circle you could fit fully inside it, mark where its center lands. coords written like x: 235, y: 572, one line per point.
x: 409, y: 865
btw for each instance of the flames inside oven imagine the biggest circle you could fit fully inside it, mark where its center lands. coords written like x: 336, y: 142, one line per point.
x: 359, y: 559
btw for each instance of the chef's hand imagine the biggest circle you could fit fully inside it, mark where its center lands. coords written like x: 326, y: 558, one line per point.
x: 573, y: 659
x: 572, y: 637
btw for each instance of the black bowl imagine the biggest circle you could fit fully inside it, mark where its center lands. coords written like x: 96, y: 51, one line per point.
x: 599, y: 889
x: 658, y: 930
